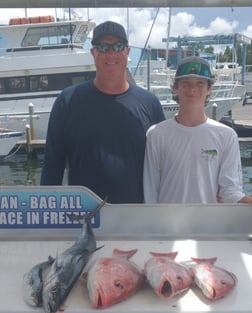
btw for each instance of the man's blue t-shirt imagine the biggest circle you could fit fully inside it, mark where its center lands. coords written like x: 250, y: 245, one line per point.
x: 102, y: 139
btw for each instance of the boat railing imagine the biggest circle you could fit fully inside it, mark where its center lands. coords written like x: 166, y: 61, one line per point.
x: 42, y: 47
x: 224, y: 90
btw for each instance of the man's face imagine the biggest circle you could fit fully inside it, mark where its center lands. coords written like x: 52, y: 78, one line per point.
x: 110, y: 55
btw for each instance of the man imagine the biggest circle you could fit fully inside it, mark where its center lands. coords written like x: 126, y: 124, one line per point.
x: 192, y: 158
x: 98, y: 128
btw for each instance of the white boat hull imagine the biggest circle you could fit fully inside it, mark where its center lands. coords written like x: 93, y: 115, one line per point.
x: 39, y: 58
x: 218, y: 106
x: 15, y: 113
x: 8, y: 140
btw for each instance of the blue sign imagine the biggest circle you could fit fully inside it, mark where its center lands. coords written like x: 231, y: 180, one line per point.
x: 45, y: 207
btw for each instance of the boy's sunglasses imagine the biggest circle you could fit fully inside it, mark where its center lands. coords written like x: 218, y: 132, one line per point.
x: 105, y: 47
x: 195, y: 68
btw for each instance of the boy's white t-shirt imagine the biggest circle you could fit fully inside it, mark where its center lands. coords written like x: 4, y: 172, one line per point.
x: 192, y: 164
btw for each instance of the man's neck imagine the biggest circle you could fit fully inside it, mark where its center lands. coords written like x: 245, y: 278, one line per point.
x: 111, y: 87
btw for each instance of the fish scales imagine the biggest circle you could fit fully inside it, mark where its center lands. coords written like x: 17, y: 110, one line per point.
x: 68, y: 266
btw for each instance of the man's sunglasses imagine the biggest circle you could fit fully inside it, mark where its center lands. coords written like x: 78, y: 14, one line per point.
x: 105, y: 47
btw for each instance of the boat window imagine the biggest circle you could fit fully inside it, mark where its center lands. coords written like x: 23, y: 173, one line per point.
x: 17, y: 84
x: 219, y: 66
x: 58, y: 82
x: 77, y: 78
x: 38, y: 83
x: 2, y: 88
x: 82, y: 34
x: 43, y: 82
x: 48, y: 35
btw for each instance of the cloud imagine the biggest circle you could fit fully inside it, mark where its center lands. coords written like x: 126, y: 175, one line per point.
x: 248, y: 31
x: 223, y: 26
x: 140, y: 21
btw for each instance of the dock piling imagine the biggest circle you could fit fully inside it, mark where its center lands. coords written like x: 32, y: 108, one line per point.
x: 28, y: 139
x: 214, y: 111
x: 31, y: 113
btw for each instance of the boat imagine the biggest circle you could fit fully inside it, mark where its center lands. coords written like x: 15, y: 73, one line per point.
x: 39, y: 57
x: 8, y: 140
x: 225, y: 93
x: 226, y: 70
x: 220, y: 104
x: 242, y: 130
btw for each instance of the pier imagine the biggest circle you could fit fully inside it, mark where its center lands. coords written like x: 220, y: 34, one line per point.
x: 241, y: 118
x: 35, y: 147
x: 241, y: 115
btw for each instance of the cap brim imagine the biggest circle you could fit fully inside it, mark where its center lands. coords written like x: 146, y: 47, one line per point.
x: 211, y: 79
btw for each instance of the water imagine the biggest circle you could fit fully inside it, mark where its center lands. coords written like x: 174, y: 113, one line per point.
x: 18, y: 170
x: 246, y: 158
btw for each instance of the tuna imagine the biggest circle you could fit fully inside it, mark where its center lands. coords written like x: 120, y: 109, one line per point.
x: 68, y: 266
x: 214, y: 282
x: 167, y: 277
x: 113, y: 279
x: 33, y: 283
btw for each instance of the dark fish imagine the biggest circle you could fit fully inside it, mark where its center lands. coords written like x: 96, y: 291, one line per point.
x: 68, y: 265
x: 33, y: 283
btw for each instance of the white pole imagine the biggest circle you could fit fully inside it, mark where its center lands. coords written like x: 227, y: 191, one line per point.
x: 168, y: 35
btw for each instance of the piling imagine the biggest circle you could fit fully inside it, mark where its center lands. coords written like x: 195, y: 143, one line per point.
x: 31, y: 113
x: 214, y: 110
x: 28, y: 139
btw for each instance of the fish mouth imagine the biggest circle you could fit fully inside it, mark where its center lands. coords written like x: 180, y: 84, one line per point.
x: 166, y: 289
x: 99, y: 300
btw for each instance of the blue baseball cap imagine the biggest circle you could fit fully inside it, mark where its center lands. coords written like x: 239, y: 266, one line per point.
x: 109, y: 29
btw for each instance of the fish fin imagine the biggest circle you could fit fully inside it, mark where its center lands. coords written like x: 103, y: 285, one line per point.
x: 74, y: 217
x: 124, y: 253
x: 204, y: 260
x: 57, y: 264
x: 98, y: 248
x: 50, y: 260
x: 97, y: 209
x: 171, y: 255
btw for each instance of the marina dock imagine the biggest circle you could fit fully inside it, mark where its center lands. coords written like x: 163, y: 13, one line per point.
x: 241, y: 118
x: 241, y: 115
x: 37, y: 146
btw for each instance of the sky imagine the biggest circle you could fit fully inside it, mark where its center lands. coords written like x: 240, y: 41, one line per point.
x: 139, y: 22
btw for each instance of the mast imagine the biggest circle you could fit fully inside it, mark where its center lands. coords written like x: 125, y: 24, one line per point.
x: 168, y: 35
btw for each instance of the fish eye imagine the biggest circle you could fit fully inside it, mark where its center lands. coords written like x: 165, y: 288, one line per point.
x: 118, y: 284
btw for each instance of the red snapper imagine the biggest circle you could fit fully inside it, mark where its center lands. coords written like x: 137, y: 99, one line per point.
x: 215, y: 282
x: 167, y: 277
x: 113, y: 279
